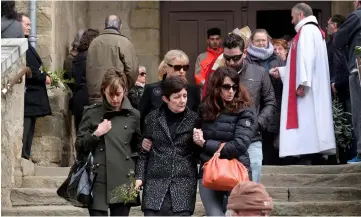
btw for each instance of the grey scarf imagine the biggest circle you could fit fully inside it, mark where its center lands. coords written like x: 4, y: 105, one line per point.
x: 260, y: 52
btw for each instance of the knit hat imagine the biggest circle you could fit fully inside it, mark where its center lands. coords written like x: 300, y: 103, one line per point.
x: 250, y: 197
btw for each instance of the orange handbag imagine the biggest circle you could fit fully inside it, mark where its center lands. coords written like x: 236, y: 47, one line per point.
x: 223, y: 174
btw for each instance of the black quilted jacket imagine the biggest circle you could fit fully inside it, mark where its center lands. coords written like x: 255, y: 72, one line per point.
x: 237, y: 130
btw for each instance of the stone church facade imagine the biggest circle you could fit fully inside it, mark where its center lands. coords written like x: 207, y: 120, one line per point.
x: 155, y: 27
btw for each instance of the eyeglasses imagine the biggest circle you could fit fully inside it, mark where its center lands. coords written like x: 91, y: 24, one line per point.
x: 142, y: 74
x: 179, y: 67
x: 234, y: 58
x: 228, y: 87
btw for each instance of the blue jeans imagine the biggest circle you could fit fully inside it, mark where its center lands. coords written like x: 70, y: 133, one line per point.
x: 214, y: 202
x: 256, y: 157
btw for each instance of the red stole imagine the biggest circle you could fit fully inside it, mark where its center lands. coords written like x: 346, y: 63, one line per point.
x: 292, y: 114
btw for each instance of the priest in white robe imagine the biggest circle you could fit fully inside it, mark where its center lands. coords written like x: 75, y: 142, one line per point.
x: 306, y: 112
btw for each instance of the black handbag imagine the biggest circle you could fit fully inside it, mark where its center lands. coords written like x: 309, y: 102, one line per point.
x: 77, y: 188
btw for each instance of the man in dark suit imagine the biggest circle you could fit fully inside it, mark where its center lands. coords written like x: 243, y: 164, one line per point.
x: 36, y: 98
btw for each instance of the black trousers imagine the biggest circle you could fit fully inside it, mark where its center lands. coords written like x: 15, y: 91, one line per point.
x: 28, y: 135
x: 166, y: 209
x: 270, y: 153
x: 117, y: 209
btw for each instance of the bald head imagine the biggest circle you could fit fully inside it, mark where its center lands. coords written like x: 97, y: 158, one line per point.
x: 113, y: 21
x: 304, y: 8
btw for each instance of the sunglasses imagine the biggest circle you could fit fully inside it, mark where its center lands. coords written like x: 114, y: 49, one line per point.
x: 142, y: 74
x: 228, y: 87
x: 234, y: 58
x: 179, y: 67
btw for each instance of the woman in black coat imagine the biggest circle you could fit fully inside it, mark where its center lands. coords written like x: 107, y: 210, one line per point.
x: 226, y: 117
x: 80, y: 97
x: 168, y: 171
x: 175, y: 63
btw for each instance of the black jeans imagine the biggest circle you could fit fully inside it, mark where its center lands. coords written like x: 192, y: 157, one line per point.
x: 166, y: 209
x: 117, y: 209
x: 28, y: 135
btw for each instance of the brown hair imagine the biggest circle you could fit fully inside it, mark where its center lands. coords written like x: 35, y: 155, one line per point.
x: 281, y: 42
x: 260, y: 31
x: 86, y: 39
x: 114, y: 78
x: 213, y: 103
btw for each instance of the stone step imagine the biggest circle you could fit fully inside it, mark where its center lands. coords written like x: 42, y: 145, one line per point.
x: 324, y: 169
x: 345, y: 208
x: 327, y: 169
x: 274, y: 180
x: 48, y: 196
x: 51, y: 171
x: 312, y: 180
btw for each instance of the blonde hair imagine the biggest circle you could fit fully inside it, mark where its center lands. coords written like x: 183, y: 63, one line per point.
x: 169, y: 57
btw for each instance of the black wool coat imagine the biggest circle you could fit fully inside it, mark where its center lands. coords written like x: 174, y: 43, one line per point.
x: 36, y: 96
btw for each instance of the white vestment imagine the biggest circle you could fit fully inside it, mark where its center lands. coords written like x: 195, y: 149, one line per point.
x: 315, y: 132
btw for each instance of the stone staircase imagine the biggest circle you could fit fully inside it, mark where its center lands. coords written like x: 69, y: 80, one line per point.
x: 296, y: 191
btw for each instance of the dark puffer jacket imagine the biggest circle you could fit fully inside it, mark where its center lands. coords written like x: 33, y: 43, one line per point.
x: 236, y: 130
x: 273, y: 61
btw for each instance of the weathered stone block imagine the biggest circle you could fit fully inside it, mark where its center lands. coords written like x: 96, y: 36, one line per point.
x: 44, y: 17
x: 146, y: 41
x: 59, y: 100
x: 53, y: 125
x: 148, y: 4
x: 5, y: 198
x: 145, y: 18
x: 27, y: 167
x: 47, y: 150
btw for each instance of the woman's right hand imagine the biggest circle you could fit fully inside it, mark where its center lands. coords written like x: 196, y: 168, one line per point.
x: 138, y: 184
x: 103, y: 128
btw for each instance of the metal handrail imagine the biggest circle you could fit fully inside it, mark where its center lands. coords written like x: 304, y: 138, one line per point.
x: 17, y: 79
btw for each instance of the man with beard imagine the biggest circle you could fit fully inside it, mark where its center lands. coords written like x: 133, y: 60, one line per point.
x: 259, y: 86
x: 306, y: 112
x: 205, y: 60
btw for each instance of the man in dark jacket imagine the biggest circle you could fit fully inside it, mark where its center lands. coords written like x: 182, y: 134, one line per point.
x: 36, y: 98
x: 10, y: 27
x: 346, y: 39
x: 258, y: 83
x: 337, y: 61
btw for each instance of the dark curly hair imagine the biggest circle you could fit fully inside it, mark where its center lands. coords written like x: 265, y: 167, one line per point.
x: 233, y: 41
x: 86, y: 39
x: 213, y: 104
x: 8, y: 10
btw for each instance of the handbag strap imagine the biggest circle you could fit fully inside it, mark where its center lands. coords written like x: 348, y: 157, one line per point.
x: 220, y: 148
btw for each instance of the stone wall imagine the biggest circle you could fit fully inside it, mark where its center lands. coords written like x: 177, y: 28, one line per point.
x: 12, y: 115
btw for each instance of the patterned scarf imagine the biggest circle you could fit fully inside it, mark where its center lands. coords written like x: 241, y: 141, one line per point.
x: 260, y: 52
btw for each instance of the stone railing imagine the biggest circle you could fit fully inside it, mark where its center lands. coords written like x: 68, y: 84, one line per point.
x: 12, y: 115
